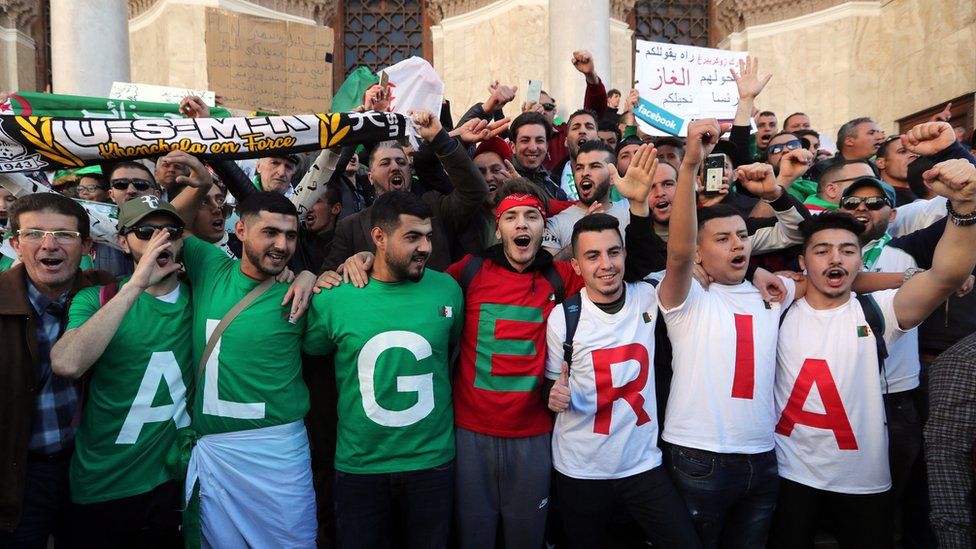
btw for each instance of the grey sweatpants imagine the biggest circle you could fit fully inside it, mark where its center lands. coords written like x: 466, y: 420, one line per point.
x: 502, y: 479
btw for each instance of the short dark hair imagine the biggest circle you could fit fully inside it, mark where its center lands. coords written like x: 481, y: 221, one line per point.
x: 787, y: 119
x: 583, y: 112
x: 266, y: 201
x: 527, y: 119
x: 608, y: 126
x: 612, y: 92
x: 111, y: 168
x: 830, y: 219
x: 782, y: 133
x: 716, y: 212
x: 766, y: 113
x: 51, y: 202
x: 519, y: 185
x: 388, y: 207
x: 100, y: 179
x: 597, y: 145
x: 883, y: 149
x: 333, y: 194
x: 833, y: 166
x: 595, y: 223
x: 807, y: 133
x: 380, y: 146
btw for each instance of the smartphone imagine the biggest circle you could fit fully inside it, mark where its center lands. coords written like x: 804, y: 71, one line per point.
x: 714, y: 173
x: 534, y: 91
x: 384, y: 79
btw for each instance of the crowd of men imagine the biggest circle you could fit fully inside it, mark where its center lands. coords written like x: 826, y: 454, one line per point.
x: 521, y: 333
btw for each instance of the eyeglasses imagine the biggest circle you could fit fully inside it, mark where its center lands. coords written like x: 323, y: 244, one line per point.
x: 549, y: 107
x: 789, y: 146
x: 37, y: 235
x: 145, y: 232
x: 139, y: 184
x: 872, y: 203
x: 90, y: 188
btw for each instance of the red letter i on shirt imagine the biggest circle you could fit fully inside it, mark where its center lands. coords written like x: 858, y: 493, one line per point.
x: 744, y: 378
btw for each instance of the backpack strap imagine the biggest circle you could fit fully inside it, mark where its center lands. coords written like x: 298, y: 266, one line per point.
x: 571, y: 309
x: 469, y: 271
x: 872, y: 313
x: 107, y: 292
x: 555, y: 280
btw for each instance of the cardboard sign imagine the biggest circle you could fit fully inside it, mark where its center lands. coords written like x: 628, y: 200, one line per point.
x: 680, y: 83
x: 267, y: 65
x: 157, y: 94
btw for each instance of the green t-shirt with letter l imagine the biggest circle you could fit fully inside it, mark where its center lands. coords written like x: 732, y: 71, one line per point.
x: 126, y: 443
x: 392, y: 345
x: 253, y: 378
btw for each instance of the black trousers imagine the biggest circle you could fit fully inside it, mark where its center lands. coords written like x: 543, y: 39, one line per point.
x: 857, y: 521
x: 588, y: 506
x: 149, y: 520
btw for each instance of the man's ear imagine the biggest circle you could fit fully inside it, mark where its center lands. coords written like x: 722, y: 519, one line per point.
x: 336, y: 208
x: 576, y: 266
x: 879, y: 161
x: 240, y: 230
x: 803, y: 263
x: 893, y: 215
x: 379, y: 238
x: 124, y: 244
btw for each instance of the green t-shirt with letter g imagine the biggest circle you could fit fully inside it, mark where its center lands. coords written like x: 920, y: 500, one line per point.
x: 392, y: 345
x: 253, y: 377
x: 136, y: 400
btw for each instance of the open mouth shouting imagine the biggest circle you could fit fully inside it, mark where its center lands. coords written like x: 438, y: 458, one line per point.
x: 164, y: 258
x: 835, y: 277
x: 585, y: 187
x: 662, y: 206
x: 522, y: 242
x: 51, y: 264
x: 739, y: 261
x: 276, y: 257
x: 397, y: 181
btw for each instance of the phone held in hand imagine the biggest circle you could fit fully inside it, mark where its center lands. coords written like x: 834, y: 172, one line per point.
x: 714, y: 173
x: 534, y: 91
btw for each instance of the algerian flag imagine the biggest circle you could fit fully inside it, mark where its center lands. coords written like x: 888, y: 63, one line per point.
x: 350, y: 94
x: 77, y: 106
x: 414, y: 84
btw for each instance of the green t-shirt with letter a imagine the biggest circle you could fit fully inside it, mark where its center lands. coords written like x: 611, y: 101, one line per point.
x: 253, y: 378
x: 392, y: 345
x: 136, y: 400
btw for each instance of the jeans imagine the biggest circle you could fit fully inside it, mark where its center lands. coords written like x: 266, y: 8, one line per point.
x: 587, y: 507
x: 909, y: 484
x: 858, y: 521
x: 46, y: 503
x: 731, y: 497
x: 410, y: 510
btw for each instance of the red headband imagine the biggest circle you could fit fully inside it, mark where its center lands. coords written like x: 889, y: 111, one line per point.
x: 515, y: 200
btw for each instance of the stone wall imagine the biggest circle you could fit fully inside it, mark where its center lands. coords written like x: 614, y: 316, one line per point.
x: 887, y: 59
x: 167, y: 47
x: 508, y: 40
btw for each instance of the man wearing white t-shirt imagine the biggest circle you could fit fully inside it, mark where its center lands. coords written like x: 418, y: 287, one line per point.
x: 720, y: 414
x: 591, y: 169
x: 604, y: 444
x: 831, y: 443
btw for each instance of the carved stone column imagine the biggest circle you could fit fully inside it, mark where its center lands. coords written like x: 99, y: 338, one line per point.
x: 89, y: 45
x: 17, y: 48
x: 576, y: 25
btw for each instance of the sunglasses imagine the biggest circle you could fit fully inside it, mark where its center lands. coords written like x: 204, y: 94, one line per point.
x: 139, y: 184
x: 872, y: 203
x: 145, y: 232
x: 549, y: 107
x: 789, y: 146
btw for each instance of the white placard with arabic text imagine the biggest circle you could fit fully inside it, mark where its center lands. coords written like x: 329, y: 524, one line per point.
x: 157, y: 94
x: 685, y: 82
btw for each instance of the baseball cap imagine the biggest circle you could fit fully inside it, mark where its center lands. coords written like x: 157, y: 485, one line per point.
x: 867, y: 181
x: 136, y: 209
x: 629, y: 140
x: 496, y: 145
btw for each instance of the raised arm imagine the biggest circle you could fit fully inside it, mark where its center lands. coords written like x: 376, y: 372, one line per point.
x: 750, y: 85
x: 955, y: 254
x: 198, y: 183
x: 596, y: 93
x: 683, y: 227
x: 758, y: 179
x: 80, y: 347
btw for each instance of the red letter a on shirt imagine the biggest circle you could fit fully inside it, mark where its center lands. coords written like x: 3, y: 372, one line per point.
x: 606, y: 393
x: 815, y: 370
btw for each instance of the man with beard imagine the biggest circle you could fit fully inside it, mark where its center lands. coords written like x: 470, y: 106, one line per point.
x: 581, y: 127
x: 832, y: 445
x: 389, y: 171
x: 392, y: 341
x: 249, y: 473
x: 592, y: 168
x: 124, y: 476
x: 893, y: 159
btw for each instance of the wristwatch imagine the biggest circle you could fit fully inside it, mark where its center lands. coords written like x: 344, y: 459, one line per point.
x: 910, y: 272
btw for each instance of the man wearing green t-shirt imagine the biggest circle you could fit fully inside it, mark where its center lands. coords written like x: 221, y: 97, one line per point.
x: 392, y: 342
x: 250, y: 466
x: 137, y: 350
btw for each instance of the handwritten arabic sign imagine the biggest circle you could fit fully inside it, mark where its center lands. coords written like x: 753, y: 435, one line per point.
x: 267, y: 65
x: 30, y: 143
x: 679, y: 83
x: 77, y: 106
x: 159, y: 94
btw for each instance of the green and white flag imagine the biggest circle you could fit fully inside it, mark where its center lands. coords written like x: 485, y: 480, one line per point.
x: 77, y: 106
